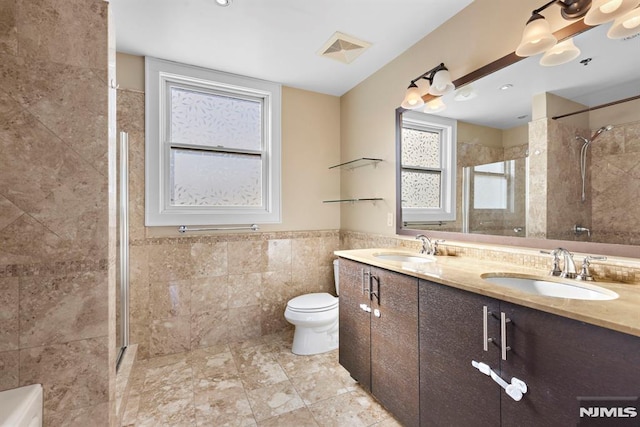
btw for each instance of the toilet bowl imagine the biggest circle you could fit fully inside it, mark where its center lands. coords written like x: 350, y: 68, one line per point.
x: 315, y: 317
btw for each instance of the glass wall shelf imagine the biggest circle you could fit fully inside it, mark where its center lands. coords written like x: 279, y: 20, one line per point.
x: 373, y: 199
x: 357, y: 163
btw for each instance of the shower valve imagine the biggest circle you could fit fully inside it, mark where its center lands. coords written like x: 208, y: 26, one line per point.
x: 578, y: 229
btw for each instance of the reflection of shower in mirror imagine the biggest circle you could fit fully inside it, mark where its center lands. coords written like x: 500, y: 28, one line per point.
x: 583, y: 155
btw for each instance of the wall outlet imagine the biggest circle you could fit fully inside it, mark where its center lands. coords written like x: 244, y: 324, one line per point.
x: 390, y: 219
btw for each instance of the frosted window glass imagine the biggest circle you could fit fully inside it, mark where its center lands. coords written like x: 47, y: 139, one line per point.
x: 201, y: 178
x: 420, y: 189
x: 490, y: 192
x: 214, y: 120
x: 420, y: 148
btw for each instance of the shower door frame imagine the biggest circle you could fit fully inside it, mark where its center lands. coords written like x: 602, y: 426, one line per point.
x: 123, y: 253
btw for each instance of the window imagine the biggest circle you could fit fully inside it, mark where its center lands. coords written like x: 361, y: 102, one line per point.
x: 492, y: 185
x: 212, y: 147
x: 427, y: 167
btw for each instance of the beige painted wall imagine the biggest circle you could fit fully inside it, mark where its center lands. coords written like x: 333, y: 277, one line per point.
x: 483, y: 32
x: 310, y: 144
x: 515, y: 136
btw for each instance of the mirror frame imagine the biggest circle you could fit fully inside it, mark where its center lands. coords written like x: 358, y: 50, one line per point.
x: 611, y: 249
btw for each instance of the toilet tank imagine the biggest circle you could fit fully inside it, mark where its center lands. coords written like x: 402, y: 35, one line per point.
x: 336, y: 275
x: 21, y: 407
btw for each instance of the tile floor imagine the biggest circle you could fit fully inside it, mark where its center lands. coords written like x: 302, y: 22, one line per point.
x: 254, y: 383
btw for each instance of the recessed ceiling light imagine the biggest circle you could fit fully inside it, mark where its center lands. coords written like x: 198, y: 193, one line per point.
x: 506, y: 87
x: 223, y: 3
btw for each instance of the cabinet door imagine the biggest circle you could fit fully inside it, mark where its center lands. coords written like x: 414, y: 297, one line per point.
x: 562, y: 359
x: 354, y: 325
x: 452, y: 391
x: 394, y: 344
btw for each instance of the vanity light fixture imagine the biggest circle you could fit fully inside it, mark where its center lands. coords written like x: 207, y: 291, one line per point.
x: 439, y: 84
x: 561, y: 53
x: 537, y: 36
x: 607, y: 10
x: 625, y: 26
x: 435, y: 106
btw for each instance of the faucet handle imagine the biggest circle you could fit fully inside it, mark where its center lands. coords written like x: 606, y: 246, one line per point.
x: 555, y: 268
x: 434, y: 246
x: 585, y: 274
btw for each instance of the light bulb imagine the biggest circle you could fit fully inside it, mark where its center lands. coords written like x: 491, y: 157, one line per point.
x: 610, y: 6
x: 627, y: 25
x: 632, y: 22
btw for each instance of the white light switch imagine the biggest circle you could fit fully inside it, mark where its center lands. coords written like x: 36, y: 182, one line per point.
x: 390, y: 219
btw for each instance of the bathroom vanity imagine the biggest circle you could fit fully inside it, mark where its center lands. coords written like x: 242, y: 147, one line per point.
x: 409, y: 332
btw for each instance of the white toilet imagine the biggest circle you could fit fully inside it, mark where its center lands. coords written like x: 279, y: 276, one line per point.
x: 315, y: 317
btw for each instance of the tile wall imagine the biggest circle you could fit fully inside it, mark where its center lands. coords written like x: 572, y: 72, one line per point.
x: 615, y: 181
x: 54, y: 205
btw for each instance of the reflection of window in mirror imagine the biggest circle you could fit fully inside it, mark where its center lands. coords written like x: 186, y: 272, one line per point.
x: 427, y: 168
x: 491, y: 186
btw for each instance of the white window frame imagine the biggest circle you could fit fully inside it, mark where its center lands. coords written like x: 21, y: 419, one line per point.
x: 160, y: 76
x: 448, y: 147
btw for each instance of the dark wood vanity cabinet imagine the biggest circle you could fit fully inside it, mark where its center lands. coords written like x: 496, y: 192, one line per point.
x: 379, y: 336
x: 559, y: 359
x: 355, y: 323
x: 413, y: 348
x: 452, y: 391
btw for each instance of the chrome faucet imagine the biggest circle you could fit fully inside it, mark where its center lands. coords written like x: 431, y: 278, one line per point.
x: 427, y: 246
x: 569, y: 266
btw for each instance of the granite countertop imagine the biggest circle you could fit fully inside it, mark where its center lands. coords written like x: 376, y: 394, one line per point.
x: 621, y: 314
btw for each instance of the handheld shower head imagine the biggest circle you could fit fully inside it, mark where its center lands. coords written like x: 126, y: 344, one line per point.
x: 599, y: 131
x: 583, y: 139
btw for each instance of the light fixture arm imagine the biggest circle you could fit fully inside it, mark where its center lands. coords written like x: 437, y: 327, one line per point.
x: 571, y: 9
x: 429, y: 75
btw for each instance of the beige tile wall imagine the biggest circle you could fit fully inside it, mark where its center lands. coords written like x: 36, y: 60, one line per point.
x: 193, y: 292
x: 615, y: 179
x: 54, y: 205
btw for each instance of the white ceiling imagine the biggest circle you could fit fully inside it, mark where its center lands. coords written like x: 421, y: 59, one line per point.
x: 277, y: 40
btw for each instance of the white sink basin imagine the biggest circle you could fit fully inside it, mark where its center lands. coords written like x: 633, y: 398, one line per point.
x: 402, y: 257
x: 547, y: 288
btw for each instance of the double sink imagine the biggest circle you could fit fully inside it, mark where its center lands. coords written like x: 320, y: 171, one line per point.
x: 534, y: 285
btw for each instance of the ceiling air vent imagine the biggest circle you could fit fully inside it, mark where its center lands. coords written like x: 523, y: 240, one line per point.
x: 343, y: 48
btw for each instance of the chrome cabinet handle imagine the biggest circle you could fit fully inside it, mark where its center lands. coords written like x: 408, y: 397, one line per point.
x: 366, y: 289
x: 503, y: 334
x: 485, y: 328
x: 377, y: 292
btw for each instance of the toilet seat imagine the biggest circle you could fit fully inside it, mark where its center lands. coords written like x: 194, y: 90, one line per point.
x: 313, y: 303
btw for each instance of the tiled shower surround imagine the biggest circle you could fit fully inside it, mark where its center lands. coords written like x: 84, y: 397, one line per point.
x: 54, y: 294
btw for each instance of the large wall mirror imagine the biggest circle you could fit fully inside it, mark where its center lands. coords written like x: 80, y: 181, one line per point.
x: 545, y: 153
